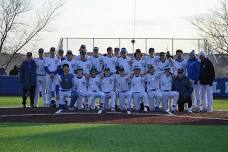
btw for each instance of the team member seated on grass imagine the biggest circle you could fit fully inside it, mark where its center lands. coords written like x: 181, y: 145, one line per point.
x: 138, y: 89
x: 123, y: 88
x: 183, y: 86
x: 108, y: 87
x: 65, y: 88
x: 94, y: 85
x: 153, y: 91
x: 81, y: 84
x: 166, y: 80
x: 28, y: 79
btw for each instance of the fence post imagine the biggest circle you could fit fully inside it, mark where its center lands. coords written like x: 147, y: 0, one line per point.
x: 67, y: 43
x: 93, y: 43
x: 145, y: 45
x: 172, y: 46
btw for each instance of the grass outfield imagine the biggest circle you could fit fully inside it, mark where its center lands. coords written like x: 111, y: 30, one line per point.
x: 111, y: 138
x: 16, y: 101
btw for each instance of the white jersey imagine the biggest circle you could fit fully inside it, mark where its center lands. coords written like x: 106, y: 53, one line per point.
x: 152, y: 82
x: 138, y: 84
x: 126, y: 64
x: 86, y: 65
x: 94, y: 83
x: 161, y: 65
x: 179, y: 64
x: 52, y: 63
x: 108, y: 84
x: 166, y: 82
x: 140, y: 63
x: 111, y: 63
x: 123, y: 83
x: 40, y: 63
x: 97, y: 62
x: 71, y: 63
x: 151, y: 60
x: 81, y: 84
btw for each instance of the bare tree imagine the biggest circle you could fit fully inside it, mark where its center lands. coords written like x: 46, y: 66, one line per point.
x: 15, y: 31
x: 214, y: 27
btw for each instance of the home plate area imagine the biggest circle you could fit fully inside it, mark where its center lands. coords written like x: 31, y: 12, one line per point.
x: 48, y: 115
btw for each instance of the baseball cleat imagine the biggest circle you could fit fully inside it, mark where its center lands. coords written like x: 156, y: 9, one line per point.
x: 128, y: 112
x: 100, y: 112
x: 59, y: 111
x: 145, y: 109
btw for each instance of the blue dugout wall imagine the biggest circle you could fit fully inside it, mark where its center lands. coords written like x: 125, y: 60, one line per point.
x: 10, y: 86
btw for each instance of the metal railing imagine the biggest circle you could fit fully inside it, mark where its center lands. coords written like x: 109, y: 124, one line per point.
x: 170, y: 44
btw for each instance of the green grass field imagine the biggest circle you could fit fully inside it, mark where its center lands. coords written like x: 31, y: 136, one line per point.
x: 111, y: 138
x: 27, y: 137
x: 16, y: 101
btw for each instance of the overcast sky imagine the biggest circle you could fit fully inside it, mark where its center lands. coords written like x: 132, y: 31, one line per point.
x: 114, y: 18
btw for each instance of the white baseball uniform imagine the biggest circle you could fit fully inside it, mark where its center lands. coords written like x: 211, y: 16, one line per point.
x: 126, y: 64
x: 123, y: 88
x: 177, y: 64
x: 86, y: 65
x: 81, y: 85
x: 161, y: 65
x: 97, y: 62
x: 108, y: 86
x: 51, y: 66
x: 111, y: 63
x: 166, y: 88
x: 95, y: 91
x: 140, y: 63
x: 153, y: 91
x: 138, y: 92
x: 41, y: 81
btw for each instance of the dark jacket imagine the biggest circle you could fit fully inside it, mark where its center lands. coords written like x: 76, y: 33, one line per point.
x: 207, y: 72
x: 28, y: 74
x: 183, y: 86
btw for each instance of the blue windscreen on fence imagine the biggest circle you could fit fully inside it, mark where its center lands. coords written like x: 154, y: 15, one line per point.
x: 10, y: 86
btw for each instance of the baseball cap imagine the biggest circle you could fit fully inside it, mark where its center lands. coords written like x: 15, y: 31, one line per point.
x: 202, y: 53
x: 83, y: 46
x: 79, y: 68
x: 52, y: 49
x: 136, y: 68
x: 123, y: 50
x: 69, y: 52
x: 41, y: 50
x: 151, y: 49
x: 95, y: 49
x: 162, y: 53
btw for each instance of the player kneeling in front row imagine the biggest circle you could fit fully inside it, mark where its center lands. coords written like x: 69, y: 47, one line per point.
x: 153, y: 92
x: 166, y: 86
x: 94, y: 88
x: 80, y: 82
x: 183, y: 85
x: 123, y: 87
x: 65, y: 88
x: 138, y: 89
x: 107, y: 86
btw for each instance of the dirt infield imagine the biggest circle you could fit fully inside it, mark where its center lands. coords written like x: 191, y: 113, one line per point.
x: 47, y: 115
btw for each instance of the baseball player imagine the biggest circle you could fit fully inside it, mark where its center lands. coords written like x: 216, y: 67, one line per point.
x: 94, y: 90
x: 97, y: 60
x: 110, y: 61
x: 166, y: 80
x: 52, y: 66
x: 117, y: 52
x: 65, y: 88
x: 84, y: 62
x: 70, y: 61
x: 193, y: 73
x: 108, y: 86
x: 207, y: 76
x: 162, y: 63
x: 41, y: 78
x: 153, y: 92
x: 81, y: 85
x: 180, y: 62
x: 151, y: 59
x: 138, y: 89
x: 125, y: 61
x: 139, y: 62
x: 123, y: 88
